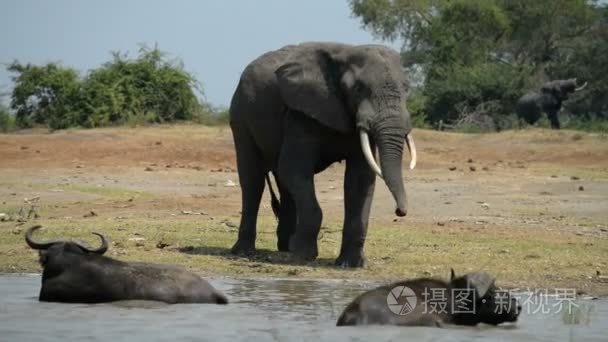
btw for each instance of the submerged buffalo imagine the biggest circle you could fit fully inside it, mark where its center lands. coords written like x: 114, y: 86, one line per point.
x: 73, y: 273
x: 466, y: 300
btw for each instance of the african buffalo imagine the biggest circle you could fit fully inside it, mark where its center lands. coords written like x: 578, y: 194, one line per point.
x: 465, y: 300
x: 73, y: 273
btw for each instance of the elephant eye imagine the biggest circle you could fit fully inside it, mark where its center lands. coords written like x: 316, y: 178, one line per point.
x: 358, y: 88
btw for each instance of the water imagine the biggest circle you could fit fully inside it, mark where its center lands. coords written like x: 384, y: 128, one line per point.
x: 260, y: 310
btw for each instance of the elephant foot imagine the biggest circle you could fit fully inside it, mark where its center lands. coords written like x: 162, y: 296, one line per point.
x: 242, y: 247
x: 302, y: 248
x: 351, y: 260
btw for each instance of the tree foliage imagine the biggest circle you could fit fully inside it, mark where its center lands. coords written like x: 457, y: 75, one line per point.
x: 44, y: 94
x: 472, y: 52
x: 148, y: 88
x: 7, y: 121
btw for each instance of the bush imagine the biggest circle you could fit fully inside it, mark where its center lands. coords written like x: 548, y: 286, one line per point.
x: 416, y: 104
x: 591, y: 123
x: 471, y: 86
x: 147, y: 89
x: 45, y: 95
x: 211, y: 116
x: 7, y: 121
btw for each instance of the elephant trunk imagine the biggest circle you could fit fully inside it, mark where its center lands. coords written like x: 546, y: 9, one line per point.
x: 390, y: 143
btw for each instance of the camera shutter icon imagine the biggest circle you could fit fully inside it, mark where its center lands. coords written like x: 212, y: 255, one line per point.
x: 401, y: 300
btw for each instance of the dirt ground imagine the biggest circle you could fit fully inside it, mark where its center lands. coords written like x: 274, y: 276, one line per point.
x: 529, y: 206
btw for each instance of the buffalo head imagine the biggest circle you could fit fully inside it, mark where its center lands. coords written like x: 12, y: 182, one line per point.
x: 478, y: 300
x: 55, y: 247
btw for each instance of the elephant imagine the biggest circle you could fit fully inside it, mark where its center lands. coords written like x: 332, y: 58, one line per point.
x: 299, y: 109
x: 466, y: 300
x: 530, y: 106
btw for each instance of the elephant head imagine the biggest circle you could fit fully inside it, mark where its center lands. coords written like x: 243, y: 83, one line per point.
x: 561, y: 88
x: 552, y: 95
x: 355, y: 90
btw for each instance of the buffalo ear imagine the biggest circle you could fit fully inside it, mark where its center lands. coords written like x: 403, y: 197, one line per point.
x: 481, y: 282
x: 310, y: 83
x: 452, y: 274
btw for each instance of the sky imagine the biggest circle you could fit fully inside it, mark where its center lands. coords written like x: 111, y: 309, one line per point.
x: 215, y: 39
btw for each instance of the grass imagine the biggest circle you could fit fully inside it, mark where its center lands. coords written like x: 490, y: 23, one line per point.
x: 393, y: 252
x: 109, y: 193
x: 552, y: 254
x: 112, y: 193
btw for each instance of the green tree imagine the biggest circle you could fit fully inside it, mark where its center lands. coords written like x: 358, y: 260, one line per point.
x: 45, y: 95
x: 7, y: 121
x: 473, y: 52
x: 586, y: 56
x: 149, y: 88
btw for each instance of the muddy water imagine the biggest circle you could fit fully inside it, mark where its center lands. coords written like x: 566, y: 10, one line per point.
x: 264, y: 310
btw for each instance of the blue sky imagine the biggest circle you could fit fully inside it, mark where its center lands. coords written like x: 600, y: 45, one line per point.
x: 214, y: 38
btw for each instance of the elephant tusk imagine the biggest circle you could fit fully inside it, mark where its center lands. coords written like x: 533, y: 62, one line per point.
x: 367, y: 152
x: 581, y: 87
x: 412, y: 147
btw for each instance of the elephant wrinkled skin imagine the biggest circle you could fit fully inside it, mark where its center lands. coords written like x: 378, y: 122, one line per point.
x: 297, y: 110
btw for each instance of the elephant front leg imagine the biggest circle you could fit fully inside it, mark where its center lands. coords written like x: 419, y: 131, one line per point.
x: 553, y: 116
x: 359, y: 186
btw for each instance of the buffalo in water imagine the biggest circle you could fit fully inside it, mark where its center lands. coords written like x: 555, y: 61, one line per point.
x: 466, y: 300
x: 73, y: 273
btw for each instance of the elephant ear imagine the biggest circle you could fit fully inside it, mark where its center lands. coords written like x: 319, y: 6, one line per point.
x: 310, y: 83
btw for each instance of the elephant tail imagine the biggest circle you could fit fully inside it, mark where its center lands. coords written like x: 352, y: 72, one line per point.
x: 274, y: 201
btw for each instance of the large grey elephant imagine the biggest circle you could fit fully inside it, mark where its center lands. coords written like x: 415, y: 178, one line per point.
x: 549, y: 100
x: 297, y: 110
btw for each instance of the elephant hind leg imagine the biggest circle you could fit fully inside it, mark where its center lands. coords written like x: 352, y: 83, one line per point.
x: 308, y: 214
x: 300, y: 153
x: 251, y: 170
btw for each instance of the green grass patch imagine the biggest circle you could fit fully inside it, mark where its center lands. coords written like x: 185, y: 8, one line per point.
x: 393, y: 252
x: 113, y: 193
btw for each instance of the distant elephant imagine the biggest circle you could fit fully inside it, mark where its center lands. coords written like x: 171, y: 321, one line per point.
x: 299, y: 109
x: 549, y: 100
